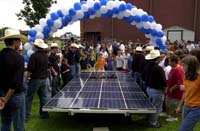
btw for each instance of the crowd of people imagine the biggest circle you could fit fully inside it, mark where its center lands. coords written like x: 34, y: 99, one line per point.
x: 169, y: 79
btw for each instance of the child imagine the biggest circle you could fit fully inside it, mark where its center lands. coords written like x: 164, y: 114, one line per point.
x: 65, y: 72
x: 101, y: 62
x: 91, y: 63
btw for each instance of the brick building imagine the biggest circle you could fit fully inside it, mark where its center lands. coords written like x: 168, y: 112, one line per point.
x: 169, y: 13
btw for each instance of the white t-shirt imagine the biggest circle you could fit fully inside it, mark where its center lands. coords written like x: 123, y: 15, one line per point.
x: 119, y: 61
x: 167, y: 69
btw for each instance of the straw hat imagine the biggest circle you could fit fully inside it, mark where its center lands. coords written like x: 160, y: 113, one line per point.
x: 153, y: 55
x: 138, y: 49
x: 40, y: 43
x: 54, y: 45
x: 74, y: 45
x: 149, y: 48
x: 13, y: 33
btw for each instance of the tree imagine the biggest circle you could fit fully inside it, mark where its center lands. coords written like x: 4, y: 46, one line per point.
x: 34, y: 10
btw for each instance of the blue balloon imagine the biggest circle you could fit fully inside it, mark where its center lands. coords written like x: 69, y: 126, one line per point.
x: 64, y: 22
x: 160, y: 34
x: 54, y: 16
x: 122, y: 7
x: 109, y: 13
x: 153, y: 32
x: 91, y: 11
x: 83, y: 2
x: 151, y: 19
x: 129, y: 6
x: 60, y: 14
x: 26, y: 58
x: 103, y: 2
x: 137, y: 18
x: 77, y: 6
x: 46, y: 36
x: 72, y: 12
x: 46, y: 30
x: 148, y: 31
x: 130, y: 19
x: 68, y: 18
x: 97, y: 6
x: 142, y: 29
x: 144, y: 18
x: 31, y: 39
x: 86, y: 15
x: 50, y: 22
x: 115, y: 10
x: 32, y: 33
x: 160, y: 44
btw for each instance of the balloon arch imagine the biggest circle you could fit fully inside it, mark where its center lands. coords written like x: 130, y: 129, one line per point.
x: 99, y: 8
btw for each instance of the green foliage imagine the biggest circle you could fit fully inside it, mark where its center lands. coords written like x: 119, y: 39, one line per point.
x: 2, y: 31
x: 33, y: 11
x: 2, y: 45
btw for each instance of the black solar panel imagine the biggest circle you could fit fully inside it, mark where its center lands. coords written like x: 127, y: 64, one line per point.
x: 112, y: 91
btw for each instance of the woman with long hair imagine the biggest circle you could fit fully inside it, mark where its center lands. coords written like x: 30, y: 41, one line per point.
x: 191, y: 94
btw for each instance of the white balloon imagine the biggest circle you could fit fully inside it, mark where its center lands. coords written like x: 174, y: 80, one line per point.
x: 120, y: 16
x: 90, y: 3
x: 65, y: 11
x: 139, y: 25
x: 92, y: 16
x: 159, y: 27
x: 140, y: 12
x: 146, y: 25
x: 114, y: 16
x: 147, y: 36
x: 110, y: 5
x: 103, y: 9
x: 153, y: 25
x: 38, y: 28
x: 116, y: 3
x: 84, y: 8
x: 79, y: 14
x: 134, y: 12
x: 39, y: 35
x: 98, y: 13
x: 127, y: 13
x: 42, y: 22
x: 164, y: 38
x: 133, y: 23
x: 30, y: 52
x: 57, y: 23
x: 28, y: 46
x: 122, y: 2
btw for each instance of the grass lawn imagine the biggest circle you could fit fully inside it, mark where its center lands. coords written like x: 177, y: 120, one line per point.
x: 86, y: 122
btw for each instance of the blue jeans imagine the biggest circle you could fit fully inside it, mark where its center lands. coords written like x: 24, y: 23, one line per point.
x: 191, y: 117
x: 41, y: 87
x: 157, y: 98
x: 14, y: 111
x: 76, y: 70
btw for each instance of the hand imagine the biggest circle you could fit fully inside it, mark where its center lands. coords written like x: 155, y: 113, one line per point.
x: 2, y: 103
x: 178, y: 110
x: 171, y: 90
x: 182, y: 87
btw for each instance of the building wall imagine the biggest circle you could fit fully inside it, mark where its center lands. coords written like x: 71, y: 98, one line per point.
x: 183, y: 13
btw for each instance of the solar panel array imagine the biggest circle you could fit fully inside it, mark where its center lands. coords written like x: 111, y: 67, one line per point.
x: 96, y: 91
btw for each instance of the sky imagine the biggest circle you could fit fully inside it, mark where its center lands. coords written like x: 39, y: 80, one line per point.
x: 9, y: 8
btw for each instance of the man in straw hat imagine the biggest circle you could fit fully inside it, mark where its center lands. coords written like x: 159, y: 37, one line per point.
x: 12, y: 97
x: 155, y: 80
x: 38, y: 73
x: 138, y: 66
x: 73, y: 57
